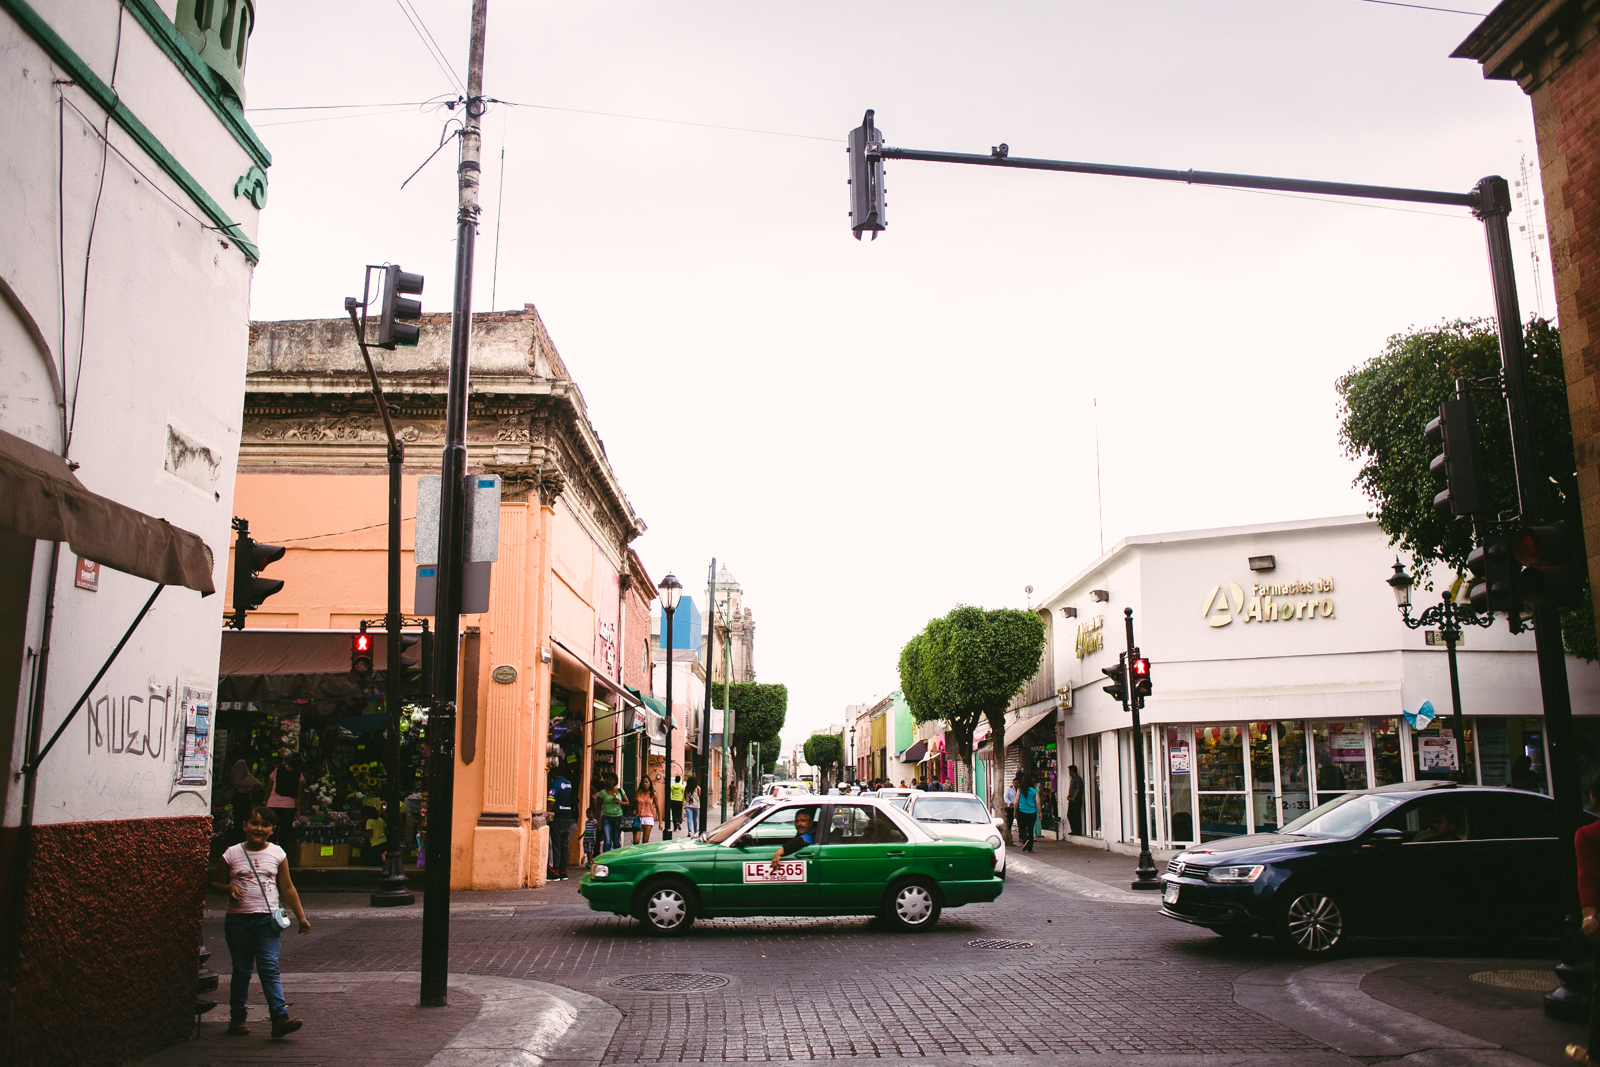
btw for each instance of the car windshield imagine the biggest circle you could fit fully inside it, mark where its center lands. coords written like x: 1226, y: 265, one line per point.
x: 1345, y: 817
x: 950, y: 809
x: 730, y: 829
x: 899, y: 802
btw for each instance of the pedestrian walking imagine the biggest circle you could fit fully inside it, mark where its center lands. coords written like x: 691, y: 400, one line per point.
x: 1010, y: 798
x: 691, y: 805
x: 1027, y: 813
x: 644, y: 811
x: 1075, y: 800
x: 244, y: 786
x: 675, y: 795
x: 1588, y: 849
x: 612, y: 801
x: 561, y: 806
x: 254, y: 875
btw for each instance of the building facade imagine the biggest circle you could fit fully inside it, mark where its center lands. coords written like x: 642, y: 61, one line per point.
x: 132, y: 195
x: 545, y: 668
x: 1283, y: 675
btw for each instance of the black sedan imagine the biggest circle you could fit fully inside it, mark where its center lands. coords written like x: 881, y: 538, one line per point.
x: 1411, y: 859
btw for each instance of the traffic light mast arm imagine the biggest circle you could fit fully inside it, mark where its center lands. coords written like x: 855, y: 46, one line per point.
x: 999, y: 158
x: 360, y: 326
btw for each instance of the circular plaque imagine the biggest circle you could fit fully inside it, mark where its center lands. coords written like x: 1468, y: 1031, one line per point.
x: 505, y: 674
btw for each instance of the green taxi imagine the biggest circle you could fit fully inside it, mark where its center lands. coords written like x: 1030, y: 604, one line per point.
x: 811, y: 856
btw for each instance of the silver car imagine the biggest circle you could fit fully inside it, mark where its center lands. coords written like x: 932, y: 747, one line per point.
x: 963, y: 815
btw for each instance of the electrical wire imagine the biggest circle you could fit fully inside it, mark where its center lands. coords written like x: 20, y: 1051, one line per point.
x: 1425, y: 7
x: 430, y: 44
x: 338, y: 533
x: 674, y: 122
x: 1328, y: 200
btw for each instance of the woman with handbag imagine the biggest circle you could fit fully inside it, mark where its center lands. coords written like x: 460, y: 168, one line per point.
x: 255, y: 877
x: 644, y: 810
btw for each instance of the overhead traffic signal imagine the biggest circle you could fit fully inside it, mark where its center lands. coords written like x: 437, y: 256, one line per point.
x: 249, y: 559
x: 1119, y: 680
x: 1139, y: 672
x: 1459, y: 465
x: 395, y: 312
x: 1553, y: 564
x: 1494, y: 576
x: 868, y: 205
x: 361, y: 652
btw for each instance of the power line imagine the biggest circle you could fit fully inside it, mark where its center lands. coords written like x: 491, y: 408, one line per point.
x: 333, y: 107
x: 675, y: 122
x: 1425, y: 7
x: 430, y: 44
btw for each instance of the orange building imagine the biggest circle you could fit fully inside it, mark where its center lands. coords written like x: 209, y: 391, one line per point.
x: 542, y: 676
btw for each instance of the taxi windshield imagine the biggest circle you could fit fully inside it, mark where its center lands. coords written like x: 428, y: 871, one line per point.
x: 730, y: 829
x: 950, y: 809
x: 1345, y: 817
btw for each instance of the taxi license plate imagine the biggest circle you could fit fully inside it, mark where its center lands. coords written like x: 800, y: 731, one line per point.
x: 786, y: 871
x: 1170, y: 894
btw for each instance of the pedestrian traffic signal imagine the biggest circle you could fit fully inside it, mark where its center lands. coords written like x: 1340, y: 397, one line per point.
x: 868, y: 205
x: 1553, y: 564
x: 1459, y: 466
x: 361, y: 652
x: 1139, y: 670
x: 410, y: 650
x: 1119, y: 681
x: 1494, y: 576
x: 395, y: 312
x: 249, y: 559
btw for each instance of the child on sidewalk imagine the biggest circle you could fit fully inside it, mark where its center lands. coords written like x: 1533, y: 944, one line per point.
x: 255, y: 877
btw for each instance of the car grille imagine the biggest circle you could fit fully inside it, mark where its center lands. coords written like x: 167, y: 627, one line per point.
x: 1190, y: 870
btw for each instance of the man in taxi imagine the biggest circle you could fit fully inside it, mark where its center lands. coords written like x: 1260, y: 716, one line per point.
x: 804, y: 834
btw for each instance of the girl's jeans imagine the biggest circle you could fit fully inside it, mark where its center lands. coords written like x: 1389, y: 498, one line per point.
x: 691, y: 817
x: 610, y: 832
x: 253, y: 943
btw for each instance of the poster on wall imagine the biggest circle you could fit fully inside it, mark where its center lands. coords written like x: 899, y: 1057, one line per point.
x: 195, y: 758
x: 1178, y: 757
x: 1437, y: 754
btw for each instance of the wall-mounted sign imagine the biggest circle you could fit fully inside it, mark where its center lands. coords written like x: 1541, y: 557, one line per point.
x: 1269, y: 602
x: 1091, y: 636
x: 505, y: 674
x: 88, y: 574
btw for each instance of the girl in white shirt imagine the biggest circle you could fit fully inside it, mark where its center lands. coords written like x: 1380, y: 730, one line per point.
x: 254, y: 876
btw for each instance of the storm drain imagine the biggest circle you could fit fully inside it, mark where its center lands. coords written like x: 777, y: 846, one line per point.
x: 998, y: 942
x: 677, y: 982
x: 1543, y: 981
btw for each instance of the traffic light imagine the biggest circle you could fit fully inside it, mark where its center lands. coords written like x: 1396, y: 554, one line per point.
x: 410, y: 651
x: 1494, y: 576
x: 868, y: 205
x: 361, y: 652
x: 1119, y: 681
x: 395, y: 313
x: 1553, y: 564
x: 249, y: 559
x: 1459, y: 466
x: 1139, y: 671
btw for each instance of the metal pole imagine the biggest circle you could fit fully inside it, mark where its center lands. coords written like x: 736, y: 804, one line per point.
x: 452, y: 508
x: 1452, y: 634
x: 727, y: 707
x: 1494, y: 208
x: 392, y: 889
x: 666, y: 780
x: 1145, y: 873
x: 705, y: 723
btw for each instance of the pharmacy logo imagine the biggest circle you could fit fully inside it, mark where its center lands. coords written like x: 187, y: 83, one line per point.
x: 1269, y: 602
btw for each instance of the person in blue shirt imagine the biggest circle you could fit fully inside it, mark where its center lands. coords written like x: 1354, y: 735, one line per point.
x: 562, y: 815
x: 1028, y: 813
x: 804, y: 834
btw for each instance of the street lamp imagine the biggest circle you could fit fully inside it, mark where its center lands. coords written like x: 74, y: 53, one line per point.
x: 671, y: 588
x: 853, y: 771
x: 1449, y: 618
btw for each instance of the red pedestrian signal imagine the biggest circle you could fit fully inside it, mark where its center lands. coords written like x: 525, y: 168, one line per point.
x: 361, y: 653
x: 1553, y: 564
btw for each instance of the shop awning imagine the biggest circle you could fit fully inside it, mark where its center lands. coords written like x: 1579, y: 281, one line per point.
x: 915, y: 753
x: 1014, y: 731
x: 263, y: 665
x: 40, y: 497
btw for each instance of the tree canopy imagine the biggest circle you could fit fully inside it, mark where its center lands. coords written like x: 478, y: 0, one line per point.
x: 824, y: 750
x: 1386, y: 402
x: 759, y: 711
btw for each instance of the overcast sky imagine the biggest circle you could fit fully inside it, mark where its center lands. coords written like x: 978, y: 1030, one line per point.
x: 871, y: 433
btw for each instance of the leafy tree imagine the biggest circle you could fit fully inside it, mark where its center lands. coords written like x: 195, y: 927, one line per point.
x: 967, y: 666
x: 823, y: 751
x: 759, y: 710
x: 1386, y: 403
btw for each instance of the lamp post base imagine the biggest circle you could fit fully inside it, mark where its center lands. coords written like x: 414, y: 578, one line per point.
x: 1145, y: 875
x: 393, y: 891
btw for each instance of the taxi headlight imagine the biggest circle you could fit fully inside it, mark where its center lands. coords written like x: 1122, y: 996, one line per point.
x: 601, y: 870
x: 994, y: 841
x: 1234, y: 875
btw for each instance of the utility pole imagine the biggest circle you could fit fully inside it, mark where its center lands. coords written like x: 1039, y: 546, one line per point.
x: 452, y: 514
x: 1145, y: 873
x: 705, y: 722
x: 727, y: 685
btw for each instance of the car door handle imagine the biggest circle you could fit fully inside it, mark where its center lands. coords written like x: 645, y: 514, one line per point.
x: 895, y: 852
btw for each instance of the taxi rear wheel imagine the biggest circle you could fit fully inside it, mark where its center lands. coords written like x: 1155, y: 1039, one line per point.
x: 912, y: 904
x: 665, y: 908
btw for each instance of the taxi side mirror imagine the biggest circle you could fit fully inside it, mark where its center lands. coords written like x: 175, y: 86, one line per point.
x: 1388, y: 837
x: 999, y: 823
x: 744, y: 842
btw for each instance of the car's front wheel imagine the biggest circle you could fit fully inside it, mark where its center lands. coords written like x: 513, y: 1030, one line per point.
x: 665, y: 908
x: 912, y: 904
x: 1312, y: 922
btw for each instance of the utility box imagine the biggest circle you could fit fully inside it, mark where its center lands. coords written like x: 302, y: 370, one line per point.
x: 482, y: 525
x: 474, y: 589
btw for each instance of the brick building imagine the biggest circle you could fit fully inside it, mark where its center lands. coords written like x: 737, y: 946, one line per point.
x: 1551, y: 48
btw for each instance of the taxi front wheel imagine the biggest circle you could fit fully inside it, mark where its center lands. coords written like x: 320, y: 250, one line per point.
x: 665, y: 909
x: 912, y: 904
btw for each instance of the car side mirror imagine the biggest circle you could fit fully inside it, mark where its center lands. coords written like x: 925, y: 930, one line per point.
x: 744, y: 842
x: 1388, y: 837
x: 999, y: 823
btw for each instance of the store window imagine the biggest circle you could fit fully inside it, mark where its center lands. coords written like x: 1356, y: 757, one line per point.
x: 1220, y: 781
x: 1340, y: 750
x: 1436, y: 755
x: 1180, y: 768
x: 1263, y: 783
x: 1388, y: 762
x: 1511, y: 753
x: 1294, y: 791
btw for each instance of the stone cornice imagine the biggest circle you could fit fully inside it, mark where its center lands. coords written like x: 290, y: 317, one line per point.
x: 1527, y: 41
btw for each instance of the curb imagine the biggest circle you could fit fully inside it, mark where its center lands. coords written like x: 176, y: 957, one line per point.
x: 520, y: 1023
x: 1076, y: 884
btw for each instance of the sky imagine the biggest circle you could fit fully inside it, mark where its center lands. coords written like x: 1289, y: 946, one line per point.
x: 870, y: 433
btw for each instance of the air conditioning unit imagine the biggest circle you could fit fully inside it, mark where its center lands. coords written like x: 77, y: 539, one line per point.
x: 1064, y: 697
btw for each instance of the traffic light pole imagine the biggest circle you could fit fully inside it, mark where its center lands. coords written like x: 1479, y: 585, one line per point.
x: 452, y: 514
x: 705, y: 723
x: 1144, y: 876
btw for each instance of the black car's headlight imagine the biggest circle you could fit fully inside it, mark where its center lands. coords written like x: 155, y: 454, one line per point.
x: 601, y: 870
x: 1235, y: 875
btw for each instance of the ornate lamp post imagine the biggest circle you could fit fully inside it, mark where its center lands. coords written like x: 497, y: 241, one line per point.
x: 852, y: 752
x: 1449, y: 618
x: 671, y: 588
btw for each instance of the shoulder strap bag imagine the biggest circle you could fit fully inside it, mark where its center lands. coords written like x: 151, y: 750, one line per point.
x: 279, y: 916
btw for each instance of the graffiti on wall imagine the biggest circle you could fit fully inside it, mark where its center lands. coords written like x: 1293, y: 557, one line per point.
x: 170, y: 726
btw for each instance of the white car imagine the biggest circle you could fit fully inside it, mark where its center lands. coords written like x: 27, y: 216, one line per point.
x: 898, y: 797
x: 962, y: 815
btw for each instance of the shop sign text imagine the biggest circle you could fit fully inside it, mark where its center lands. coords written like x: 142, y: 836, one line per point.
x: 1269, y: 602
x: 1091, y: 636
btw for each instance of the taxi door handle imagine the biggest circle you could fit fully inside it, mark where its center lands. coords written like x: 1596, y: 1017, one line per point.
x: 895, y: 852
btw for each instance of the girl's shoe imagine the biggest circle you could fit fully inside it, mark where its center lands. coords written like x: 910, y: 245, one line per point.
x: 238, y: 1028
x: 1578, y: 1054
x: 282, y: 1025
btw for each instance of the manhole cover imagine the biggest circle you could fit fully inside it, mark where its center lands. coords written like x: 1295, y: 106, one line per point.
x: 998, y: 942
x: 670, y: 983
x: 1544, y: 981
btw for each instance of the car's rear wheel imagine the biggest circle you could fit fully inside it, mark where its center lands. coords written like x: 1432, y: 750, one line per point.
x: 1312, y: 922
x: 665, y: 908
x: 912, y: 904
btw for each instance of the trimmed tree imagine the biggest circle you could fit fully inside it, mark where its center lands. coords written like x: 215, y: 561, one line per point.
x: 1386, y: 402
x: 823, y: 751
x: 759, y: 710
